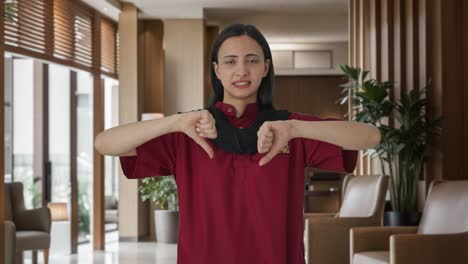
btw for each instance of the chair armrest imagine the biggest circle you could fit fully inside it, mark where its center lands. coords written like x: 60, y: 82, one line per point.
x: 328, y: 237
x: 429, y: 249
x: 375, y: 238
x: 308, y: 215
x: 346, y: 222
x: 9, y: 242
x: 38, y: 219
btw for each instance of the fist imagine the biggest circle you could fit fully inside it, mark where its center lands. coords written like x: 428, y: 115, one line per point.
x: 199, y: 125
x: 273, y: 136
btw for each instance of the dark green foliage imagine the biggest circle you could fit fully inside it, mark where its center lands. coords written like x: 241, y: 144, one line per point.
x: 402, y: 149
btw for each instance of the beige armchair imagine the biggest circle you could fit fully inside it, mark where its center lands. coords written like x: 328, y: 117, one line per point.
x: 327, y: 236
x: 32, y: 226
x: 442, y: 236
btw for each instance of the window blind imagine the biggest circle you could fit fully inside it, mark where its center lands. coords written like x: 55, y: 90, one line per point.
x: 60, y: 31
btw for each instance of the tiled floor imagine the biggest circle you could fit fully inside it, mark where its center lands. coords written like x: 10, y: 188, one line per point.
x: 118, y: 253
x: 122, y: 253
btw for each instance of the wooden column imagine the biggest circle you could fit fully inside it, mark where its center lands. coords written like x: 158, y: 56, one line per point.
x: 98, y: 123
x: 73, y: 163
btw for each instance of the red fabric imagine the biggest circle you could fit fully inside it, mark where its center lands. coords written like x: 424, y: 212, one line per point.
x: 232, y: 211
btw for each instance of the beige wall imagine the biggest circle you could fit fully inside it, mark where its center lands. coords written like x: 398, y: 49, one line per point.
x: 183, y: 55
x: 302, y: 33
x: 284, y: 28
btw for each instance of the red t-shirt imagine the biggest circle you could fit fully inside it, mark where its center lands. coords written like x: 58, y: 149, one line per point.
x: 231, y: 210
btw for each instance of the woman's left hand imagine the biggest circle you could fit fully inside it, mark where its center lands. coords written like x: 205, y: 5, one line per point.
x: 273, y: 136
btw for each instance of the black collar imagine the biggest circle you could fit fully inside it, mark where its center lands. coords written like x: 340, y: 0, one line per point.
x: 242, y: 140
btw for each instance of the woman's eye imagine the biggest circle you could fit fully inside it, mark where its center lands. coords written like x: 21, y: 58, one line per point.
x: 229, y: 62
x: 253, y: 61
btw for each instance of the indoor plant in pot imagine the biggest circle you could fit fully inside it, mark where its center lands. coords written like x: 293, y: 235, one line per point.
x: 402, y: 150
x: 163, y: 191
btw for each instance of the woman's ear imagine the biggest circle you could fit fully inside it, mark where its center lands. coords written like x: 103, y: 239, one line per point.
x: 215, y: 68
x: 267, y: 67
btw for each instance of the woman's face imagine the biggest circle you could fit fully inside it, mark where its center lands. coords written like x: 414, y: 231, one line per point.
x: 241, y: 67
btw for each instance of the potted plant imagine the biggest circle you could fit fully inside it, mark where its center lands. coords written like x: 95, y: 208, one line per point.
x: 163, y: 191
x: 402, y: 150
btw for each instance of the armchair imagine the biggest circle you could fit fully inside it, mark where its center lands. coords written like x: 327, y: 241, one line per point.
x: 32, y: 226
x: 327, y: 236
x: 442, y: 236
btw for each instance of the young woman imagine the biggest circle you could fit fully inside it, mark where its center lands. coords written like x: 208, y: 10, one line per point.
x: 239, y: 165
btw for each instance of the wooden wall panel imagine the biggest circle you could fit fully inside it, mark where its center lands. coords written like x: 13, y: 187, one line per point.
x: 376, y: 39
x: 454, y: 89
x: 464, y: 88
x: 98, y: 127
x: 434, y: 168
x: 399, y: 47
x: 309, y: 94
x: 420, y: 40
x: 151, y: 64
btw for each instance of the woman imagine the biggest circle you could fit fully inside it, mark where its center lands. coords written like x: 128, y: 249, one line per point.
x: 239, y: 166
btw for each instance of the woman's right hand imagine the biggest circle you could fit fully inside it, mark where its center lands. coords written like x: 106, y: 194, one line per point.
x: 199, y: 125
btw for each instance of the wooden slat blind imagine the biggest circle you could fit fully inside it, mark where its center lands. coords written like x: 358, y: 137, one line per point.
x: 108, y: 46
x: 83, y: 36
x: 25, y: 27
x: 63, y: 30
x: 60, y: 31
x: 73, y: 32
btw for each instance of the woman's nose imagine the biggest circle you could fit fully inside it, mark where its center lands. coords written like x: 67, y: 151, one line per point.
x: 242, y: 69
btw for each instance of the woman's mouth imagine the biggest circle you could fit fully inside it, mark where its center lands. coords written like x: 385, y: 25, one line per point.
x: 241, y: 84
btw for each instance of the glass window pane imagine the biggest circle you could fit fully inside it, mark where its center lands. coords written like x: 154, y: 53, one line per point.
x: 59, y: 132
x: 23, y: 128
x: 111, y: 112
x: 8, y: 123
x: 85, y: 154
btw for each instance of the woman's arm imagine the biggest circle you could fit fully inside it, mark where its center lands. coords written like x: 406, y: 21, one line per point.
x: 346, y: 134
x: 123, y: 140
x: 274, y: 135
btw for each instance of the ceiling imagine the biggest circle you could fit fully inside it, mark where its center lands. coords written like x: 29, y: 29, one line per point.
x: 222, y: 9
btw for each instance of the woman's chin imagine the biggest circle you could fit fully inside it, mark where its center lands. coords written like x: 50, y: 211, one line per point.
x: 244, y: 96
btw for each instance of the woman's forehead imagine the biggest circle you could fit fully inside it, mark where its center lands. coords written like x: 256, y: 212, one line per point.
x: 240, y: 46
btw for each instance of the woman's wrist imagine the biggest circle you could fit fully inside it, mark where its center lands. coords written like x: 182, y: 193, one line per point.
x: 295, y: 130
x: 174, y: 123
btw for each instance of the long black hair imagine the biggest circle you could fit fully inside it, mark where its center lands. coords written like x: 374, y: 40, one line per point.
x: 265, y: 91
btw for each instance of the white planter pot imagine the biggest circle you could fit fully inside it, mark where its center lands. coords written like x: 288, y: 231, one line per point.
x: 166, y: 225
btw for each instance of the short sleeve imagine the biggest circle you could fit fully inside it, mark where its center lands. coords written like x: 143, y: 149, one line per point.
x: 323, y: 155
x: 156, y: 157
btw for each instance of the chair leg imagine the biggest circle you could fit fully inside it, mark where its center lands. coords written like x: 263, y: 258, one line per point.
x: 45, y: 252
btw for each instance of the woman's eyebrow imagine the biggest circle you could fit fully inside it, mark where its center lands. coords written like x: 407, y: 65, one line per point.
x: 235, y: 56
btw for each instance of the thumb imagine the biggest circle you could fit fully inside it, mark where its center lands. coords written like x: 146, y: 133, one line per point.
x: 202, y: 142
x: 275, y: 149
